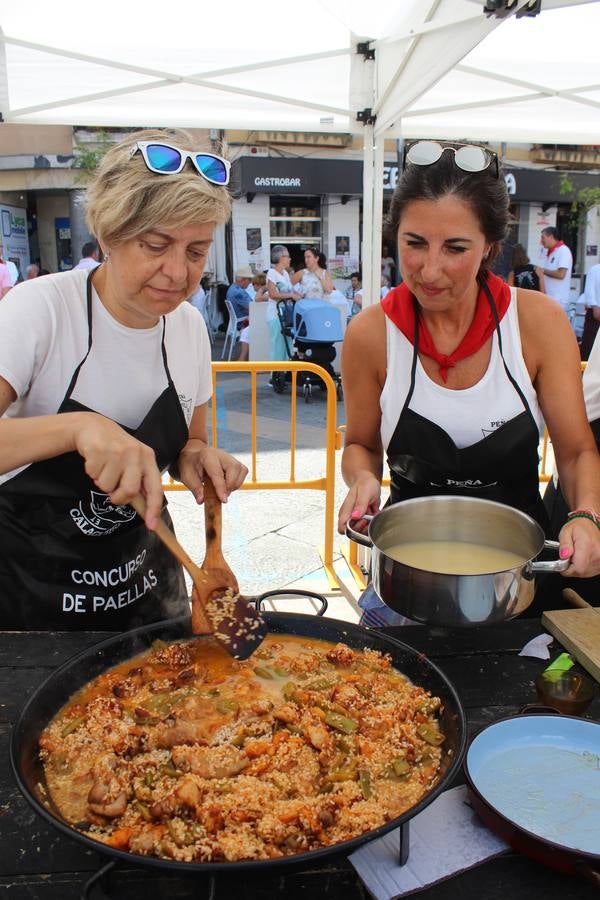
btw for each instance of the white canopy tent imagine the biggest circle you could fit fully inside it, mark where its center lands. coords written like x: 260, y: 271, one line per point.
x: 439, y: 69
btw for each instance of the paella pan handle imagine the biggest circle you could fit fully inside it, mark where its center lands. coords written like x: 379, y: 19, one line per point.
x: 258, y: 601
x: 93, y: 888
x: 583, y: 868
x: 552, y: 565
x: 357, y: 535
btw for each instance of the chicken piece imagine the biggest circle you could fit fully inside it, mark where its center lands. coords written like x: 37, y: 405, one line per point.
x: 181, y: 732
x: 341, y: 655
x: 107, y: 795
x: 107, y: 799
x: 288, y: 713
x: 261, y: 707
x: 187, y: 795
x: 319, y: 736
x: 348, y: 696
x: 174, y: 655
x: 210, y: 762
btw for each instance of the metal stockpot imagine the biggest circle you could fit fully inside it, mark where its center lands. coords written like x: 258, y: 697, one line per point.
x: 455, y: 600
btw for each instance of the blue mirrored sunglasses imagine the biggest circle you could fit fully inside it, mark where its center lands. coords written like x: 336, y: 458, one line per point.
x: 165, y: 159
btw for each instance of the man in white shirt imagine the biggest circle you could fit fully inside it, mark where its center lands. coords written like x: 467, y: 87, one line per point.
x: 89, y: 256
x: 556, y: 267
x: 591, y: 298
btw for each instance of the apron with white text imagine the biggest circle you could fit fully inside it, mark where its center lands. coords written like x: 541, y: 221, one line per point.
x: 503, y: 466
x: 71, y: 559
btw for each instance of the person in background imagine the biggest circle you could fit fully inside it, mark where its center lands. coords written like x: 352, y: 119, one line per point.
x: 355, y: 285
x: 385, y: 287
x: 452, y: 373
x: 588, y: 588
x: 261, y: 295
x: 388, y: 266
x: 279, y: 287
x: 237, y: 294
x: 591, y: 298
x: 105, y: 378
x: 556, y: 267
x: 523, y: 274
x: 5, y: 279
x: 32, y: 271
x: 314, y: 281
x: 13, y: 271
x: 199, y: 298
x: 90, y: 256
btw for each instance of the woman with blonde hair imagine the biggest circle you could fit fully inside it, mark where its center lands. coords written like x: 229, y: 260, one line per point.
x: 104, y: 383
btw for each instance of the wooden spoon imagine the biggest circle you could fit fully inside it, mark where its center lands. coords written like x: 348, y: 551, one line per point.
x: 235, y: 624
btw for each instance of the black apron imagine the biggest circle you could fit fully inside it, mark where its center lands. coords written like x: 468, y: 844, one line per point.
x: 68, y: 557
x: 503, y: 466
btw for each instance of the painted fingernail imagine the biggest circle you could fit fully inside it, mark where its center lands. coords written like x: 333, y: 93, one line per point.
x: 355, y: 513
x: 564, y: 553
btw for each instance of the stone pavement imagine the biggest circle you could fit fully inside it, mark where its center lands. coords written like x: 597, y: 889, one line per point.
x: 271, y: 537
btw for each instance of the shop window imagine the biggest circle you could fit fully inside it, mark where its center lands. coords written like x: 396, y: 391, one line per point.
x: 295, y: 222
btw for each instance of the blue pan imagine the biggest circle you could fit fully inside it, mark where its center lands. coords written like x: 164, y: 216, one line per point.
x: 535, y: 781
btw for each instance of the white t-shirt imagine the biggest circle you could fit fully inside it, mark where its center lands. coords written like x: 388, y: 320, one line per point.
x: 282, y: 282
x: 44, y: 336
x: 591, y: 381
x: 558, y: 288
x: 87, y: 263
x: 591, y: 294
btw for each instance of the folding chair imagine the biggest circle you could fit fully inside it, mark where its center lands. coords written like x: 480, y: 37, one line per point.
x: 232, y: 335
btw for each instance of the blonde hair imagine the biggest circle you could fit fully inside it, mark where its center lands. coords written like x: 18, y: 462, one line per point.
x: 125, y: 199
x: 260, y: 279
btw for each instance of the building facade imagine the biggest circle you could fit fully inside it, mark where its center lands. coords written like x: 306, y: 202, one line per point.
x: 301, y: 190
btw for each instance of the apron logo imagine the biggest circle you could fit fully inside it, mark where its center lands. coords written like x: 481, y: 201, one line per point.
x: 467, y: 483
x: 186, y: 406
x: 99, y: 516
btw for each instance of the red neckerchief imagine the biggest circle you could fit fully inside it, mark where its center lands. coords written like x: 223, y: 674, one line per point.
x: 556, y: 246
x: 399, y: 307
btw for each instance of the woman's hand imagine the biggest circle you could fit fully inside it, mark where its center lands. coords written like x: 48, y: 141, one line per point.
x: 579, y: 542
x: 198, y: 461
x: 364, y: 497
x: 118, y: 464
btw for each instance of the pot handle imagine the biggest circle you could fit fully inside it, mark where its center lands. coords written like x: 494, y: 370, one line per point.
x: 553, y: 565
x: 356, y: 535
x: 290, y: 592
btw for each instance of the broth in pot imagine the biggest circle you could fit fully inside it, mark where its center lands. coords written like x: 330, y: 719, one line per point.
x: 454, y: 557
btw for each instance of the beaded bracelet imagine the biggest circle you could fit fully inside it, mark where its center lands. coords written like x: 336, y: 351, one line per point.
x: 584, y: 514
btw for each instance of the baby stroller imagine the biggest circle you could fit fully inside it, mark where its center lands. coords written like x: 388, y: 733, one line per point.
x: 309, y: 328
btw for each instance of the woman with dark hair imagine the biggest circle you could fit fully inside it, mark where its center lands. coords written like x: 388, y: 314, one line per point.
x: 523, y: 274
x: 453, y: 372
x: 314, y: 281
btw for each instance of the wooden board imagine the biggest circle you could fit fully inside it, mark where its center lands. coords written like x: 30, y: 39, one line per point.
x: 578, y: 630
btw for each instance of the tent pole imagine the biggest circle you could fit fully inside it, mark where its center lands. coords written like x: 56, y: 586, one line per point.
x: 4, y: 103
x: 372, y: 215
x: 367, y: 223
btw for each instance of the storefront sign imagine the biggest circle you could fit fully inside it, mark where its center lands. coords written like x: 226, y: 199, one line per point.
x: 271, y: 175
x: 277, y: 182
x: 14, y: 243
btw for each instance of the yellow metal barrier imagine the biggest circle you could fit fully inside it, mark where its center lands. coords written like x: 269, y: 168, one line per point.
x: 326, y: 483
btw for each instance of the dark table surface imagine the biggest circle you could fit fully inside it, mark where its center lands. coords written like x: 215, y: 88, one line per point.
x: 37, y: 861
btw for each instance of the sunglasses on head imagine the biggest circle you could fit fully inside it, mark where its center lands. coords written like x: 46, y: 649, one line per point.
x: 165, y: 159
x: 468, y: 157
